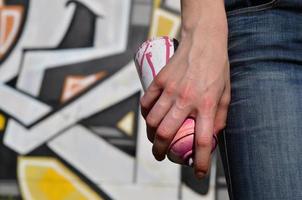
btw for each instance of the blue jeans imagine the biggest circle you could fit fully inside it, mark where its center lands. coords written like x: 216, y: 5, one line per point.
x: 261, y: 146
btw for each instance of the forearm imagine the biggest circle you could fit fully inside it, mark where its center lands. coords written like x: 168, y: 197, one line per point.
x: 204, y: 24
x: 203, y: 15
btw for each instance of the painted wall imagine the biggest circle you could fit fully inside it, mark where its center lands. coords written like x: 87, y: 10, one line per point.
x: 70, y: 126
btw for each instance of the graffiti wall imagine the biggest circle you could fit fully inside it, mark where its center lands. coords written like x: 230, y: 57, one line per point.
x: 70, y: 126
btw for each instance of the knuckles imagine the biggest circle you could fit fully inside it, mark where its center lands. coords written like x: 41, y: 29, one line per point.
x: 204, y: 167
x: 207, y: 104
x: 188, y: 91
x: 186, y: 97
x: 204, y: 141
x: 151, y: 122
x: 162, y: 133
x: 171, y: 88
x: 143, y: 104
x: 226, y: 101
x: 159, y: 81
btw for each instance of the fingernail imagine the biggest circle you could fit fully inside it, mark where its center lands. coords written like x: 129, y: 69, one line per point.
x: 200, y: 175
x: 159, y: 157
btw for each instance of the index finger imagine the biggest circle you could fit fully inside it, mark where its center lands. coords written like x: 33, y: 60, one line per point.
x: 149, y: 98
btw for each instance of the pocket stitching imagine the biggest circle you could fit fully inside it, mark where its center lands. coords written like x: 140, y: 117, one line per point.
x: 256, y: 8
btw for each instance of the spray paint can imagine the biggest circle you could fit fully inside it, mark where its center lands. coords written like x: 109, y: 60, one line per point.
x: 150, y: 58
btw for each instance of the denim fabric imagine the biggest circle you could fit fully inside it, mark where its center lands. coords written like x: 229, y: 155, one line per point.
x: 261, y: 146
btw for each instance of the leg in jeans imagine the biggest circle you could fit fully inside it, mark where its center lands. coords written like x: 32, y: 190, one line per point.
x: 261, y: 146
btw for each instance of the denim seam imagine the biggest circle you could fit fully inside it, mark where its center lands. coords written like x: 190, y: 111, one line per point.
x: 228, y: 166
x: 257, y: 8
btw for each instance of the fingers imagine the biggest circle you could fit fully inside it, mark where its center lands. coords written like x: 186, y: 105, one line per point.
x: 149, y: 98
x: 157, y: 102
x: 150, y: 133
x: 203, y: 142
x: 163, y: 82
x: 156, y: 114
x: 159, y: 110
x: 167, y: 129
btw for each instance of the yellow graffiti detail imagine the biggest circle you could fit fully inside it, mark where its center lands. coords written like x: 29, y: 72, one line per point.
x: 165, y: 26
x: 164, y: 23
x: 2, y: 122
x: 127, y: 123
x: 156, y: 3
x: 48, y: 179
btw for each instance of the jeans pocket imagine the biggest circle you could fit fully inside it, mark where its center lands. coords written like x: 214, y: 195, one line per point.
x: 250, y: 9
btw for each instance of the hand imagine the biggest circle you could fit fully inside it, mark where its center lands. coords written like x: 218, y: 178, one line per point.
x: 194, y: 83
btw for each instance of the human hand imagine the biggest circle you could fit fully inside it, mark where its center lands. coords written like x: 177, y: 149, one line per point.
x: 194, y: 83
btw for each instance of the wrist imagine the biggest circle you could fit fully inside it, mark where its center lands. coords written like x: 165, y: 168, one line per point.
x: 219, y: 29
x: 205, y: 32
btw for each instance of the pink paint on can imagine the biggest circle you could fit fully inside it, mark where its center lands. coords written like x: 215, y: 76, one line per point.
x: 181, y: 148
x: 150, y: 58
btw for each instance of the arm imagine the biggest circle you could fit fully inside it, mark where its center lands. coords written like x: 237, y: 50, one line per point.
x: 200, y: 87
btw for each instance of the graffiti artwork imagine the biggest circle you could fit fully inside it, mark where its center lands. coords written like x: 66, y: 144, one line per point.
x: 70, y: 126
